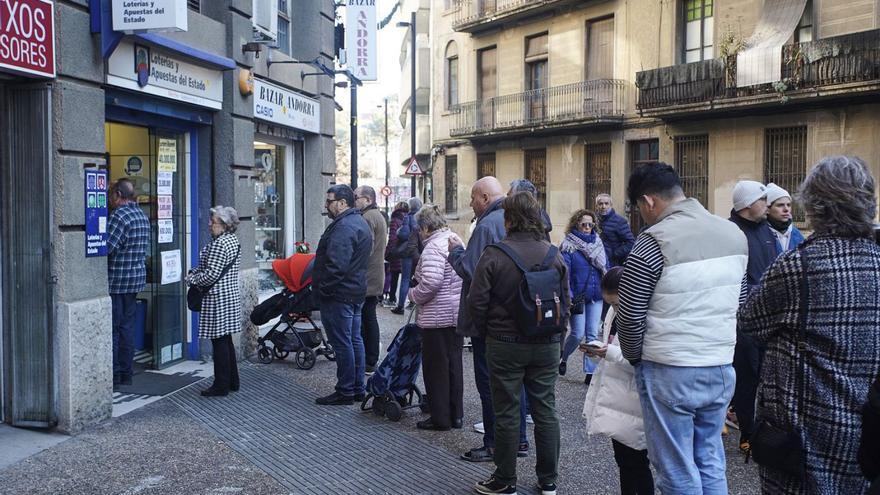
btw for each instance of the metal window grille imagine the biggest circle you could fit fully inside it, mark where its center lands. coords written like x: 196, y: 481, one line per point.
x: 194, y: 5
x: 536, y: 172
x: 785, y: 161
x: 485, y: 165
x: 692, y: 165
x: 451, y: 183
x: 640, y: 152
x: 597, y: 173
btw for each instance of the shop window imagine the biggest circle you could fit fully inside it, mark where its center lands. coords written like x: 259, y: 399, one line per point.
x: 269, y: 222
x: 451, y: 183
x: 699, y: 30
x: 692, y: 164
x: 597, y: 175
x: 536, y: 172
x: 785, y: 161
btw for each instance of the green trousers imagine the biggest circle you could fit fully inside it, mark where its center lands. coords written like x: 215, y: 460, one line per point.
x: 535, y: 366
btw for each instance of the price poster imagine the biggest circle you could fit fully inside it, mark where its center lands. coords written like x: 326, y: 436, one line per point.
x: 167, y: 159
x: 166, y: 207
x: 95, y: 202
x: 171, y: 271
x: 164, y: 183
x: 166, y: 230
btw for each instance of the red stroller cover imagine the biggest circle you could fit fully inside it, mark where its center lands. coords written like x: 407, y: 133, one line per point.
x: 295, y: 271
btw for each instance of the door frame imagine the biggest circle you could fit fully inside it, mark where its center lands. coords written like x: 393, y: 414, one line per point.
x: 146, y: 118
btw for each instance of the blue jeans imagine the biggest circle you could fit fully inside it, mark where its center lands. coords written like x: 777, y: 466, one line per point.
x: 406, y: 267
x: 684, y: 410
x: 481, y: 376
x: 584, y: 325
x: 124, y: 310
x: 342, y: 322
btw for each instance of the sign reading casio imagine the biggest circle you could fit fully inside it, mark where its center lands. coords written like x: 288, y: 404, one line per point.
x: 281, y: 106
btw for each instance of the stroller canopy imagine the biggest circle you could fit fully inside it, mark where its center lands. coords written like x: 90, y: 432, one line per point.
x: 296, y: 271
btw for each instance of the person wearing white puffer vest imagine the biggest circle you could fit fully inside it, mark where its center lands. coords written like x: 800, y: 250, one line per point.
x: 437, y: 297
x: 612, y: 406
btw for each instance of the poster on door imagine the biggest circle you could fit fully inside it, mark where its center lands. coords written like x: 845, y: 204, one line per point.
x: 95, y: 201
x: 164, y: 183
x: 165, y: 207
x: 167, y: 160
x: 166, y: 230
x: 171, y: 267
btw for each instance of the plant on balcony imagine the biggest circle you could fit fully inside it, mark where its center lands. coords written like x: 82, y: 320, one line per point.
x: 730, y: 43
x: 794, y: 62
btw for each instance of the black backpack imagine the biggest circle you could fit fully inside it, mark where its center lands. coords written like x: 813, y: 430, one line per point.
x: 541, y: 308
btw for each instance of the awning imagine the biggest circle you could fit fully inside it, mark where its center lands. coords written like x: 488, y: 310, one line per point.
x: 194, y: 54
x: 761, y: 62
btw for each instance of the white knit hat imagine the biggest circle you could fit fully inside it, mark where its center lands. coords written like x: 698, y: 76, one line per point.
x: 747, y: 192
x: 775, y: 192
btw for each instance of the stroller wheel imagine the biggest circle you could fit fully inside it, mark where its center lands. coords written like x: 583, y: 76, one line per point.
x: 393, y: 410
x: 379, y: 406
x: 305, y: 358
x: 264, y: 355
x: 279, y: 353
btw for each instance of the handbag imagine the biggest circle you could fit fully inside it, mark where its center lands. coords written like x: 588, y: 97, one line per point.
x: 772, y: 446
x: 578, y: 303
x: 196, y: 293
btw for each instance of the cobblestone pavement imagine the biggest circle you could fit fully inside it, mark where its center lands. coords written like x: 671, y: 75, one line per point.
x: 270, y: 438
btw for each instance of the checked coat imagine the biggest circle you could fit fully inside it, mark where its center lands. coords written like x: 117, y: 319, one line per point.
x: 842, y: 357
x: 221, y: 308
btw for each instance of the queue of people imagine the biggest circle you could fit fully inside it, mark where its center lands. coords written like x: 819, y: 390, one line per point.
x: 751, y: 322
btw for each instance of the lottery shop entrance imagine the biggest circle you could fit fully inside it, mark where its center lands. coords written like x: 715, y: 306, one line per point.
x: 157, y: 161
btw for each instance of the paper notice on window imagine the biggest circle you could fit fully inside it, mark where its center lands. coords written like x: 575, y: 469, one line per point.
x: 166, y: 231
x: 167, y: 160
x: 170, y: 267
x: 165, y: 205
x: 165, y: 183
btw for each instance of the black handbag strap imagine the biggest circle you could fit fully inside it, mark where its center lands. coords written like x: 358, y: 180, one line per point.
x: 225, y: 270
x: 802, y: 333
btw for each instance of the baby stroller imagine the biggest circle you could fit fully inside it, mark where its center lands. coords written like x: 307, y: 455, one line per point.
x: 294, y: 304
x: 392, y: 387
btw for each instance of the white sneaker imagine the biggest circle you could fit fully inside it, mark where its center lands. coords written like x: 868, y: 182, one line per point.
x: 479, y: 428
x: 529, y: 419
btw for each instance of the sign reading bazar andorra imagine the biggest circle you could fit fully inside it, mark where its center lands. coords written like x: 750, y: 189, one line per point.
x: 149, y: 15
x: 27, y: 37
x: 284, y: 107
x: 360, y: 39
x: 155, y: 71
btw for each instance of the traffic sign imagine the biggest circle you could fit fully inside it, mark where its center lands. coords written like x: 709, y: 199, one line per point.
x: 385, y: 191
x: 414, y: 168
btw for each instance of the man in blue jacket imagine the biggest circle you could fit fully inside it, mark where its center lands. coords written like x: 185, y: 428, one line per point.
x: 615, y: 233
x: 340, y: 279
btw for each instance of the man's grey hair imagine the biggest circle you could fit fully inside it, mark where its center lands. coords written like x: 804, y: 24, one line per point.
x: 227, y: 216
x: 414, y: 204
x: 429, y: 217
x: 604, y: 195
x: 523, y: 185
x: 125, y: 189
x: 367, y: 192
x: 838, y: 197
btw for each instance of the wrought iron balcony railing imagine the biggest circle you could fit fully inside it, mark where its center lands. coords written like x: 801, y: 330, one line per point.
x: 806, y: 68
x: 585, y: 102
x: 473, y: 15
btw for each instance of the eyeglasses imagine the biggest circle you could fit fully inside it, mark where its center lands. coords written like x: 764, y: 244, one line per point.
x: 587, y: 224
x: 329, y: 201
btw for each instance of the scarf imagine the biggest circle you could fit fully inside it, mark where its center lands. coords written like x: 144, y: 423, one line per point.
x: 782, y: 227
x: 587, y: 244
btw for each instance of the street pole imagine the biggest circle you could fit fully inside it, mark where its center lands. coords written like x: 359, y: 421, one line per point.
x: 412, y: 101
x: 387, y: 165
x: 354, y: 134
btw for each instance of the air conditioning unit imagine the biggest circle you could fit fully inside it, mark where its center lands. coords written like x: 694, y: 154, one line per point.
x: 265, y: 19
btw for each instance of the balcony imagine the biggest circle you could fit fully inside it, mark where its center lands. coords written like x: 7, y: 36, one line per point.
x: 584, y: 104
x: 842, y: 67
x: 474, y: 16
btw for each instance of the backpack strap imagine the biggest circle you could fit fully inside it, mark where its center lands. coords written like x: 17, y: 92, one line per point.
x: 551, y: 256
x: 511, y: 254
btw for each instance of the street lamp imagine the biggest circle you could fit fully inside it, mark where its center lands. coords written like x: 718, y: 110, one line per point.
x: 387, y: 165
x: 412, y: 97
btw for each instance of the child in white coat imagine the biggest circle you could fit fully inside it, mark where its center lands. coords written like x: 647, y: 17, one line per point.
x: 612, y: 405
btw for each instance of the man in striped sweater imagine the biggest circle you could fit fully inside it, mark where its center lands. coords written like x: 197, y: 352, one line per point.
x: 681, y: 287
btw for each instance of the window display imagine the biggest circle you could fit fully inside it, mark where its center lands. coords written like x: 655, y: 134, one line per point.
x: 269, y: 220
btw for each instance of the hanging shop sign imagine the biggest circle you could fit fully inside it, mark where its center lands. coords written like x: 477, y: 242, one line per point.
x: 360, y: 38
x: 27, y: 37
x: 281, y: 106
x: 140, y: 16
x: 96, y: 212
x: 148, y: 69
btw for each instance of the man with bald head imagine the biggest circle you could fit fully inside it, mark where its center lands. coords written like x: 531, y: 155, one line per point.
x: 486, y: 196
x: 128, y: 238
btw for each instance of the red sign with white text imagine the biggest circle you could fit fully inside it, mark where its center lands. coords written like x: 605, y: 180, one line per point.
x: 27, y: 37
